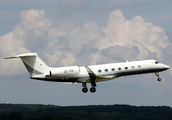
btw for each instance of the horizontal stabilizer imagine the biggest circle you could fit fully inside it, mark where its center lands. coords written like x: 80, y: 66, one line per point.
x: 11, y: 57
x: 22, y: 55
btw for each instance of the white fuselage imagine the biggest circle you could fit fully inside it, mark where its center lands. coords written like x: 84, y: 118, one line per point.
x: 103, y: 71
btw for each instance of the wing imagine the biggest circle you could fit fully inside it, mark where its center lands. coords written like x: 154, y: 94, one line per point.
x: 96, y: 78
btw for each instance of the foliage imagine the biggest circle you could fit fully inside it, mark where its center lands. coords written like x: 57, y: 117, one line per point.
x: 99, y: 112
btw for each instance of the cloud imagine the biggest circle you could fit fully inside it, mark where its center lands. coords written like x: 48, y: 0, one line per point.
x: 71, y: 44
x: 75, y: 39
x: 29, y: 35
x: 124, y: 32
x: 116, y: 53
x: 11, y: 45
x: 33, y: 28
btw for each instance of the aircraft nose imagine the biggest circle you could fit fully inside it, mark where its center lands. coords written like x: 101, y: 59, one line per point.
x: 166, y: 67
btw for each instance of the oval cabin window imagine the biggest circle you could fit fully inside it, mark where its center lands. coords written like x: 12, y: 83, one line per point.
x: 113, y: 69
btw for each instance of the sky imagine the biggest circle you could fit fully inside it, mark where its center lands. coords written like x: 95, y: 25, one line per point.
x: 87, y: 32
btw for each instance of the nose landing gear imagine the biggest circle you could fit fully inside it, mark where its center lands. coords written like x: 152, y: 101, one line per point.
x: 159, y: 79
x: 157, y: 74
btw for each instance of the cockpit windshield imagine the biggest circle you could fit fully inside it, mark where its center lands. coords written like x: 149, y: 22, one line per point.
x: 156, y: 62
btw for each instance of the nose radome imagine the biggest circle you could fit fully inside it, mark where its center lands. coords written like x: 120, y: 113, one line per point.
x: 166, y: 66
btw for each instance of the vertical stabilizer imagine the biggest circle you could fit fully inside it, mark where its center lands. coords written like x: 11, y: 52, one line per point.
x: 33, y: 64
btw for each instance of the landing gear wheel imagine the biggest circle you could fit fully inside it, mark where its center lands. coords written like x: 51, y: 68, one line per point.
x: 159, y: 79
x: 93, y: 89
x: 84, y: 90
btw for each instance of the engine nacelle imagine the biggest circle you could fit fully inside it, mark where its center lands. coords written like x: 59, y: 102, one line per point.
x: 65, y: 72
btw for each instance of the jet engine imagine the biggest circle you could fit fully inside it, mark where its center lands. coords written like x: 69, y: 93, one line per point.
x: 65, y: 72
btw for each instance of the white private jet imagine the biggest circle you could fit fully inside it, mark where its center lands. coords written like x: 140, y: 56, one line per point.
x: 87, y: 74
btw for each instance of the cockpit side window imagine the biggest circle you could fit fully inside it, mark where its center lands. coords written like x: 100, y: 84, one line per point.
x: 156, y: 62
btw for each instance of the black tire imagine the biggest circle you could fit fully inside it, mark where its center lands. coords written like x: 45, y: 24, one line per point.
x: 159, y: 79
x: 93, y: 89
x: 84, y: 90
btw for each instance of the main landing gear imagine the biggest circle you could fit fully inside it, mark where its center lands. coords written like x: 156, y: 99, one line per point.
x: 85, y: 89
x: 157, y: 74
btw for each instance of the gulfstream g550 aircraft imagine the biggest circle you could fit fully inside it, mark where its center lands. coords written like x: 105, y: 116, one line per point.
x: 87, y: 74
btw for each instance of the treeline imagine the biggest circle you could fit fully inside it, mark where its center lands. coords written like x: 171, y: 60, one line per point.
x: 92, y: 112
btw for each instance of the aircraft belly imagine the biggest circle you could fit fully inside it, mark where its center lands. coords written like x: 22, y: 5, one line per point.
x: 143, y: 71
x: 54, y: 79
x: 103, y: 78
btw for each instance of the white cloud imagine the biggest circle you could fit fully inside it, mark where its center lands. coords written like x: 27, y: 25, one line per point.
x: 11, y: 45
x: 124, y: 32
x: 29, y: 33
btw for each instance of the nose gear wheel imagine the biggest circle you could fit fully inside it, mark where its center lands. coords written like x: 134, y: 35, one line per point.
x: 157, y: 74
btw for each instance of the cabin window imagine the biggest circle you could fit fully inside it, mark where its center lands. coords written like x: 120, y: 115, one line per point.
x: 113, y: 69
x: 126, y: 68
x: 106, y: 70
x: 119, y: 68
x: 139, y: 66
x: 99, y: 71
x: 132, y: 67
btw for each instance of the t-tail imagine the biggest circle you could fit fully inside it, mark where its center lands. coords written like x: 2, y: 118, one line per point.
x: 34, y: 65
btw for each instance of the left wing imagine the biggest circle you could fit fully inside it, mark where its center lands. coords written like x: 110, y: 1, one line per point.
x: 94, y: 77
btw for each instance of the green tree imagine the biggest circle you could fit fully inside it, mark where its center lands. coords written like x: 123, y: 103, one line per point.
x: 14, y: 116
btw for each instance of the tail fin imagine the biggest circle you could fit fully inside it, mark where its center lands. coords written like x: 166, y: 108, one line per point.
x: 34, y: 65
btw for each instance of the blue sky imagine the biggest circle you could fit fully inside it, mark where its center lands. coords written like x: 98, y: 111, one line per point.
x: 83, y: 33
